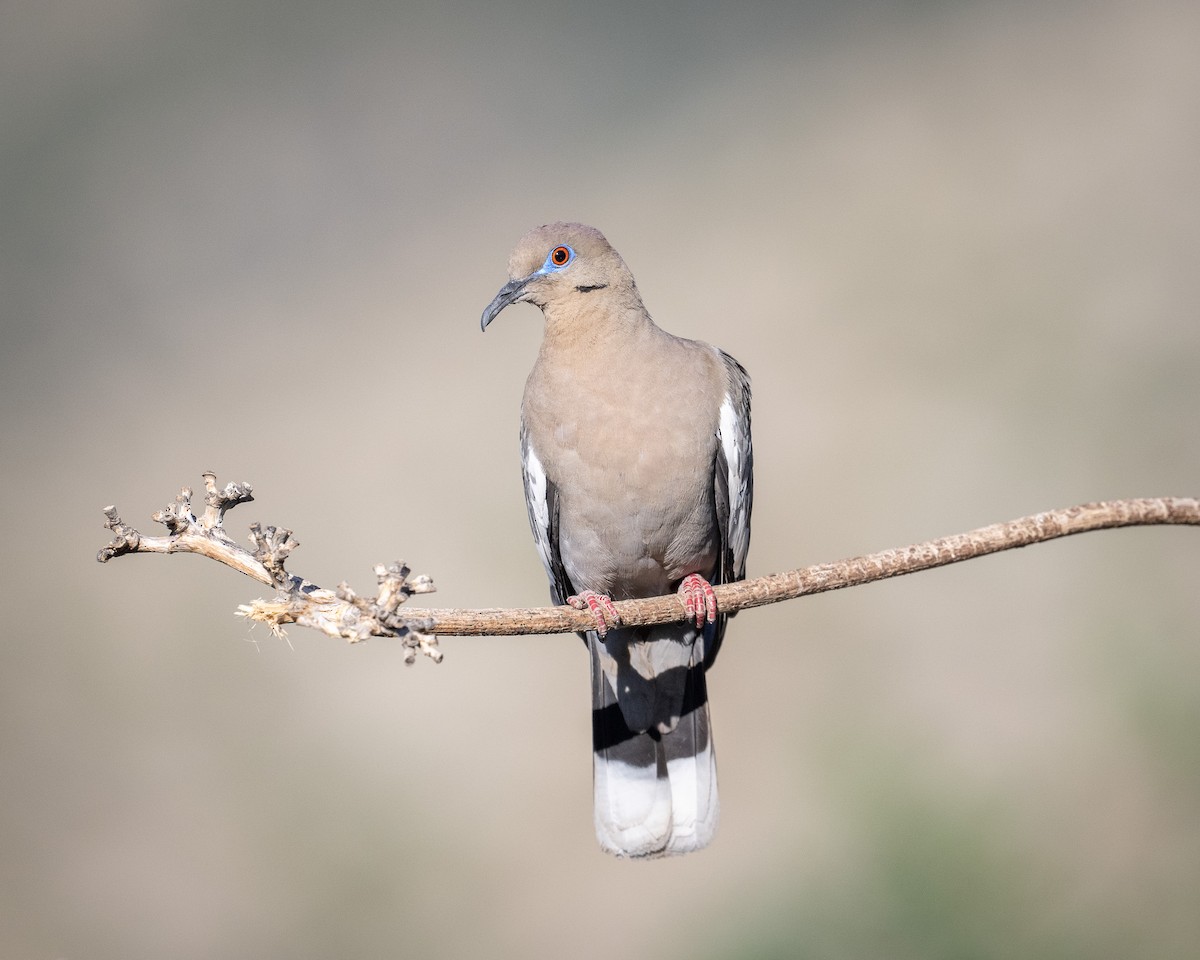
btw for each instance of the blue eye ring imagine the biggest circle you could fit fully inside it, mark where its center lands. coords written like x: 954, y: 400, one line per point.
x: 558, y: 258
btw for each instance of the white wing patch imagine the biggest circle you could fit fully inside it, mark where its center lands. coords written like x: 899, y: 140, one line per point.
x: 729, y: 439
x: 735, y: 436
x: 539, y: 507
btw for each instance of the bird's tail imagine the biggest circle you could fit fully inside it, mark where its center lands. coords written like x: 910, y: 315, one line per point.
x: 655, y: 770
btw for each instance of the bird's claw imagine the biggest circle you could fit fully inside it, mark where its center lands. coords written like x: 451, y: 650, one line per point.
x: 698, y: 599
x: 601, y: 606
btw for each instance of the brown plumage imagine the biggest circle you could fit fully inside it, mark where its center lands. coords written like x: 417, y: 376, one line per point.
x: 637, y: 463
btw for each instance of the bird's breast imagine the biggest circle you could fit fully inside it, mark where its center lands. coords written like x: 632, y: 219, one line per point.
x: 632, y: 462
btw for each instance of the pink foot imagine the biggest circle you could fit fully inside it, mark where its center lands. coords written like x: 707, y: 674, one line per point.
x: 601, y: 606
x: 698, y: 599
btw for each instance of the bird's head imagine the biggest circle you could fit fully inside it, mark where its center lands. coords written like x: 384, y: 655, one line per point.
x: 558, y: 264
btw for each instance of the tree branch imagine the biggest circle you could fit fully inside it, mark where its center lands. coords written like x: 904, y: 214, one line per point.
x: 823, y: 577
x: 343, y: 613
x: 336, y: 613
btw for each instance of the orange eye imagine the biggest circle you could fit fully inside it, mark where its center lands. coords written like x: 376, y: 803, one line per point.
x: 560, y: 255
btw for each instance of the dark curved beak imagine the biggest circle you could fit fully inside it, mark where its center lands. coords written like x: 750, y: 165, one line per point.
x: 511, y: 292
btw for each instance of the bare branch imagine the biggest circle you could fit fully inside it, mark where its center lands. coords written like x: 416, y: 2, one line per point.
x: 342, y: 613
x: 852, y: 572
x: 336, y: 613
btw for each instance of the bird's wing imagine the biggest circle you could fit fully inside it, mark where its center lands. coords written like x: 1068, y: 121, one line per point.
x: 734, y: 483
x: 541, y: 500
x: 734, y: 473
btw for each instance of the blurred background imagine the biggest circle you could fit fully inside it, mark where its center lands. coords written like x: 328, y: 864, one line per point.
x: 955, y: 244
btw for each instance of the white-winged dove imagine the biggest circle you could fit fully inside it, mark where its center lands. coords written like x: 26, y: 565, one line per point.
x: 635, y: 447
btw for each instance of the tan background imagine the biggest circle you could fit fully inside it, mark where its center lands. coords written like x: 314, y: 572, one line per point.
x: 955, y: 244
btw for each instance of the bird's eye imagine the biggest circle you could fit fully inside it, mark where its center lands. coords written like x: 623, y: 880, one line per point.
x: 560, y: 255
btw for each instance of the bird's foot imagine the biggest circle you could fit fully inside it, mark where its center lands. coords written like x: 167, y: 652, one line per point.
x: 601, y: 606
x: 698, y: 599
